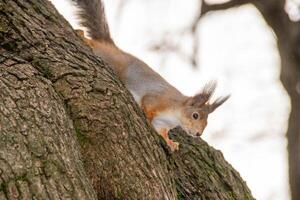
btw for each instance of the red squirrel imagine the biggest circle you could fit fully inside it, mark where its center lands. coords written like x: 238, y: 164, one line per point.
x: 164, y: 106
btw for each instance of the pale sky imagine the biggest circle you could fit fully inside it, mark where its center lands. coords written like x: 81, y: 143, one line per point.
x: 239, y: 51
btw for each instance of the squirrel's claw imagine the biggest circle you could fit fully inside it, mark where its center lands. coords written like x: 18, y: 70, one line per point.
x: 173, y: 145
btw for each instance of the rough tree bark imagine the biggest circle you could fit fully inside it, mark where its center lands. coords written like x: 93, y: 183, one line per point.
x: 70, y: 130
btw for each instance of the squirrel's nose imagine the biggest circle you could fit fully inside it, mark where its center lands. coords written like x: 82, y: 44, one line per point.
x: 198, y: 134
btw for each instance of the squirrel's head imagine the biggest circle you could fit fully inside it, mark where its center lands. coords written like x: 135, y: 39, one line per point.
x: 196, y: 109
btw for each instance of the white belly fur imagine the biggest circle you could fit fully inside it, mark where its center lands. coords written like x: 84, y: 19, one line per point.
x: 167, y: 120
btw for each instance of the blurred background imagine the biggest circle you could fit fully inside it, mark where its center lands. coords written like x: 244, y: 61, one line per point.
x: 245, y: 45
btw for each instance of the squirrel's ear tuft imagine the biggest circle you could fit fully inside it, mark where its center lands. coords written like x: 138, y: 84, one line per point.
x: 200, y: 99
x: 219, y: 101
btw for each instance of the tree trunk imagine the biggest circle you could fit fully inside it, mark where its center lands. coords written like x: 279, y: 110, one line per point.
x: 288, y: 34
x: 70, y: 130
x: 290, y: 78
x: 202, y: 173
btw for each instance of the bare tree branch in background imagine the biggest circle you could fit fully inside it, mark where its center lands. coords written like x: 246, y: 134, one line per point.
x: 170, y: 44
x: 167, y: 45
x: 288, y: 41
x: 205, y: 7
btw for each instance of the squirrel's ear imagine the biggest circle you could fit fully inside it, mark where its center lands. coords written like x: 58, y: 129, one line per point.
x: 204, y: 96
x: 189, y: 101
x: 219, y: 101
x: 196, y: 101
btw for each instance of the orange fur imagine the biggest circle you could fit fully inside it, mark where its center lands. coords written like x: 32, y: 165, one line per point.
x: 110, y: 53
x: 164, y: 106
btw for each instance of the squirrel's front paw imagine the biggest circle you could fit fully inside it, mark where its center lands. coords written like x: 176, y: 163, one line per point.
x: 80, y: 32
x: 173, y: 145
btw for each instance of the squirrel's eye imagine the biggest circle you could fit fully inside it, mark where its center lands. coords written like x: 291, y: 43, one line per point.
x: 195, y: 115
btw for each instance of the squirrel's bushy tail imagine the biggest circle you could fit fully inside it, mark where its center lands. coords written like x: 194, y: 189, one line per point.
x: 92, y: 16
